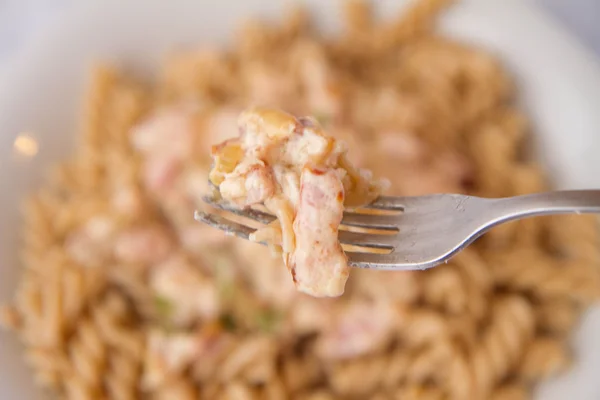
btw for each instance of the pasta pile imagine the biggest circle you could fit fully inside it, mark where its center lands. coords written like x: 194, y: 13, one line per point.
x: 124, y: 296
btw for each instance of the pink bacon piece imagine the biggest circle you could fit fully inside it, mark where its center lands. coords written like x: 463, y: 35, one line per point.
x: 318, y: 263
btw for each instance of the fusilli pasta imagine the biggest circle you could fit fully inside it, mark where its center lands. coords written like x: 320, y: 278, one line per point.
x: 124, y: 296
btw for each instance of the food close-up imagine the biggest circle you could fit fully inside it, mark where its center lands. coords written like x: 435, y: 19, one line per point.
x: 122, y: 294
x: 304, y: 179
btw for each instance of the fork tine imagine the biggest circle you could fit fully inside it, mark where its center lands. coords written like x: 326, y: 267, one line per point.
x: 227, y: 226
x: 250, y: 213
x: 405, y: 203
x: 391, y: 262
x: 374, y: 260
x: 352, y: 219
x: 367, y: 239
x: 389, y: 203
x: 383, y: 222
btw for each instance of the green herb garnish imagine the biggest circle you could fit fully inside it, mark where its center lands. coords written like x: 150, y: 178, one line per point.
x: 228, y: 322
x: 164, y: 307
x: 164, y: 310
x: 268, y: 320
x: 226, y: 290
x: 222, y: 269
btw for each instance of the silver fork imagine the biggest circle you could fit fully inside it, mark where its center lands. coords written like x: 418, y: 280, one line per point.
x: 426, y: 230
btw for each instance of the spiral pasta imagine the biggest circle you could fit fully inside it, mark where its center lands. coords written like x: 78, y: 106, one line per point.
x: 124, y: 296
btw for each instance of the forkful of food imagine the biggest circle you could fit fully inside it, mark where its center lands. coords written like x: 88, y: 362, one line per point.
x: 306, y: 201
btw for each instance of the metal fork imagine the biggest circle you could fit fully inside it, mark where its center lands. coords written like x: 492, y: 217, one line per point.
x: 426, y: 230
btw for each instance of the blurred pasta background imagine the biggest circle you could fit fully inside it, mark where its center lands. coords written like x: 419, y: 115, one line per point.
x: 124, y: 296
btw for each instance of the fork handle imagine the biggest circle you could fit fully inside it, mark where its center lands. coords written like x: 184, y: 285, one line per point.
x: 558, y: 202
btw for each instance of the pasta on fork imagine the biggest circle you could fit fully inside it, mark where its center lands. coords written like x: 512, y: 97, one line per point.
x: 303, y: 177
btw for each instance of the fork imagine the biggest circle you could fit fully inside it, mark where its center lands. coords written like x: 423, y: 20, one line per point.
x: 423, y: 231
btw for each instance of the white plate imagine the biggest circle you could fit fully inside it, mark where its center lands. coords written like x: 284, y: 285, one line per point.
x: 41, y: 93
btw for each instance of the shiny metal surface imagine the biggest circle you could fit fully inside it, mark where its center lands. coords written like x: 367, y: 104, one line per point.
x: 429, y: 230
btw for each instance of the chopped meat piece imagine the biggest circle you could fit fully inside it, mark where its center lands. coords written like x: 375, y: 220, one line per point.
x: 167, y: 143
x: 250, y: 183
x: 167, y: 132
x: 92, y: 244
x: 318, y: 263
x: 168, y: 354
x: 160, y: 173
x: 359, y: 328
x: 310, y: 147
x: 143, y: 245
x: 263, y: 129
x: 304, y: 178
x: 192, y: 295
